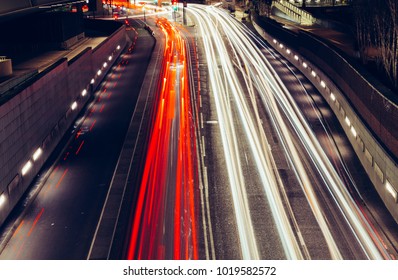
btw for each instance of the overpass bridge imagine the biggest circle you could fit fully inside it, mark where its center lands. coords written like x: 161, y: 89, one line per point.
x: 17, y: 8
x: 23, y: 6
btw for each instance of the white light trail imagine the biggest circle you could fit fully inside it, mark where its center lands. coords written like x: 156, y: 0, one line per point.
x: 259, y: 75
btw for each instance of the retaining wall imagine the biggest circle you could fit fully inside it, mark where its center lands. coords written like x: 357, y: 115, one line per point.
x: 36, y: 118
x: 354, y: 107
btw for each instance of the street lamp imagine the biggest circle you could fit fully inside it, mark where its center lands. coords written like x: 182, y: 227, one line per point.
x: 174, y: 8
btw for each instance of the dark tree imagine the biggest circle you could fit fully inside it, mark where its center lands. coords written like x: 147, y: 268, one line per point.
x: 262, y: 7
x: 377, y: 29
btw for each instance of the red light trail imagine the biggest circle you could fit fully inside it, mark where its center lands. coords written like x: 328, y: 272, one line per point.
x: 164, y: 223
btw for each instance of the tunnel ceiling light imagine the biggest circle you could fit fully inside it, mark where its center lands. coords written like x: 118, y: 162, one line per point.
x: 323, y: 84
x: 92, y: 81
x: 305, y: 65
x: 26, y: 168
x: 118, y: 47
x: 288, y: 51
x: 110, y: 58
x: 84, y: 92
x: 313, y: 73
x: 74, y: 105
x: 332, y: 96
x: 296, y: 57
x: 391, y: 190
x: 37, y: 154
x: 281, y: 46
x: 99, y: 72
x: 105, y: 64
x: 274, y: 41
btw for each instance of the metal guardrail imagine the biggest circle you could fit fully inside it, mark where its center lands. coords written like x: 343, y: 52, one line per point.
x: 321, y: 3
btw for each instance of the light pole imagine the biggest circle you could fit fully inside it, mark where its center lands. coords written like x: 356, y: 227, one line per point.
x: 174, y: 8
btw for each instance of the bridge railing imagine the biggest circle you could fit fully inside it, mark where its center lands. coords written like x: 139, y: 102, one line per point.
x: 297, y: 14
x: 292, y: 14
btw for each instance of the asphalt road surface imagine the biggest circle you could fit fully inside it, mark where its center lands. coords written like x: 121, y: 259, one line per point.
x: 276, y: 177
x: 60, y: 222
x: 276, y: 159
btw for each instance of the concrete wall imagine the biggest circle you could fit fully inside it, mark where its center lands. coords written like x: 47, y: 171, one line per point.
x: 375, y: 104
x: 11, y: 6
x: 8, y: 6
x: 379, y: 165
x: 39, y: 116
x: 102, y: 52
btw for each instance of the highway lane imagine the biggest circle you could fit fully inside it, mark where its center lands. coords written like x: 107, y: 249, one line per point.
x: 337, y: 148
x: 164, y: 224
x: 61, y: 220
x: 339, y: 151
x: 294, y: 135
x: 233, y: 179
